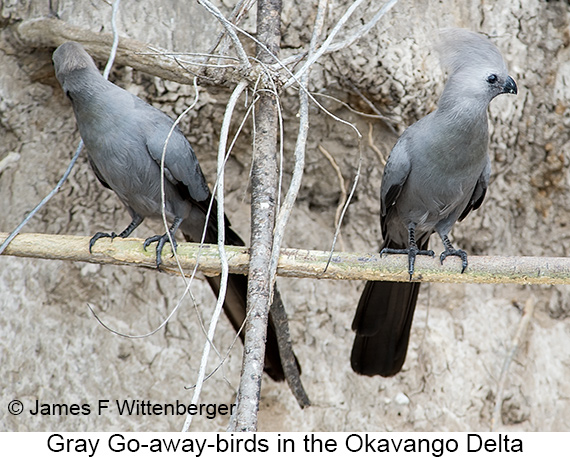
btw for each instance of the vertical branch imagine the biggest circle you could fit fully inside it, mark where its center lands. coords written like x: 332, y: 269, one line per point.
x: 221, y: 237
x: 264, y: 189
x: 292, y: 373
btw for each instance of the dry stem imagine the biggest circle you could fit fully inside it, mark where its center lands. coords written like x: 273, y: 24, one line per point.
x: 519, y: 335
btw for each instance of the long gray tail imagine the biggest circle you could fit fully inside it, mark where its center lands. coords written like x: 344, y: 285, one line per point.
x: 382, y: 324
x: 235, y: 308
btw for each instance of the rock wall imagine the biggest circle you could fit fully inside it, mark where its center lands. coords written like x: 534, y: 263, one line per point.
x: 54, y: 351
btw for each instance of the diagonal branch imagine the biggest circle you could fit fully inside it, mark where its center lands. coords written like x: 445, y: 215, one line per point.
x: 327, y: 46
x: 229, y: 27
x: 50, y: 33
x: 519, y: 335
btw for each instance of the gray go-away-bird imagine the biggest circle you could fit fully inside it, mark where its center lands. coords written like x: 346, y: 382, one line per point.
x: 124, y: 137
x: 437, y: 172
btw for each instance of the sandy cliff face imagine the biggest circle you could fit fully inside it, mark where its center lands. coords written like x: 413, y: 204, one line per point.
x: 54, y: 351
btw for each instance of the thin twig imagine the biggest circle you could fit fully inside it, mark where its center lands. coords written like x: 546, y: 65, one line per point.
x: 387, y: 121
x: 242, y: 6
x: 342, y: 186
x: 318, y: 53
x: 41, y: 204
x: 378, y: 115
x: 291, y: 370
x: 515, y: 345
x: 300, y: 146
x: 240, y: 330
x: 158, y: 52
x: 373, y: 146
x: 242, y: 55
x: 363, y: 30
x: 221, y: 248
x: 345, y: 208
x: 293, y: 79
x: 115, y: 44
x: 327, y: 47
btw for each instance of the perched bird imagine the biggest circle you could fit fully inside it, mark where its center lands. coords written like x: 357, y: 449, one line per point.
x: 124, y: 137
x: 437, y: 172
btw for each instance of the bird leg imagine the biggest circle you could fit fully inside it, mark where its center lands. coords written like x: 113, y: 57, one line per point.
x: 163, y: 239
x: 450, y: 250
x: 412, y: 251
x: 125, y: 233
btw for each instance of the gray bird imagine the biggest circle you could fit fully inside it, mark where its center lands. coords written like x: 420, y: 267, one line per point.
x: 124, y: 137
x: 437, y: 173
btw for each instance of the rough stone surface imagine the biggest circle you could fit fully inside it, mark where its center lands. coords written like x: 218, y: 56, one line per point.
x: 54, y: 351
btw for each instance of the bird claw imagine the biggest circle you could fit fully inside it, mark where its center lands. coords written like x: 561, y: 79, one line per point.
x: 98, y: 235
x: 457, y: 253
x: 162, y: 240
x: 411, y: 252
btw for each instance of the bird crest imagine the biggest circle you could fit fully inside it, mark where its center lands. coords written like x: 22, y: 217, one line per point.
x: 461, y: 49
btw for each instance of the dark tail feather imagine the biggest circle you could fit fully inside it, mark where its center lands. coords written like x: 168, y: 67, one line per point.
x: 382, y: 324
x: 235, y: 310
x: 389, y: 305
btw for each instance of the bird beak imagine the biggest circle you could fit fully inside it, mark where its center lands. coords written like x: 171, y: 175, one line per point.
x: 510, y: 86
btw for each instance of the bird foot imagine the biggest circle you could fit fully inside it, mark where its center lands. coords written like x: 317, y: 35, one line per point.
x: 457, y: 253
x: 98, y: 235
x: 411, y: 252
x: 162, y: 240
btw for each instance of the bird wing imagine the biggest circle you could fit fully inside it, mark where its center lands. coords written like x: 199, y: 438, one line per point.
x: 98, y: 173
x: 181, y: 165
x: 479, y: 192
x: 396, y: 173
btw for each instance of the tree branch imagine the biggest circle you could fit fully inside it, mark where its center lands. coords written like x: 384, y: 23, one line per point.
x: 50, y: 33
x: 326, y: 47
x: 264, y: 197
x: 221, y: 246
x: 290, y: 368
x: 297, y: 263
x: 229, y: 27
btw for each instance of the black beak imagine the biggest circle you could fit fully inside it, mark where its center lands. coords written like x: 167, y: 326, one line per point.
x: 510, y: 86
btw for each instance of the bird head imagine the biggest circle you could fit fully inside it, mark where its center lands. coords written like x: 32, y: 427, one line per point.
x: 69, y: 57
x: 476, y: 68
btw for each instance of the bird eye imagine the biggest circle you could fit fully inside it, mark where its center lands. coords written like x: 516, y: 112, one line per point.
x: 492, y: 79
